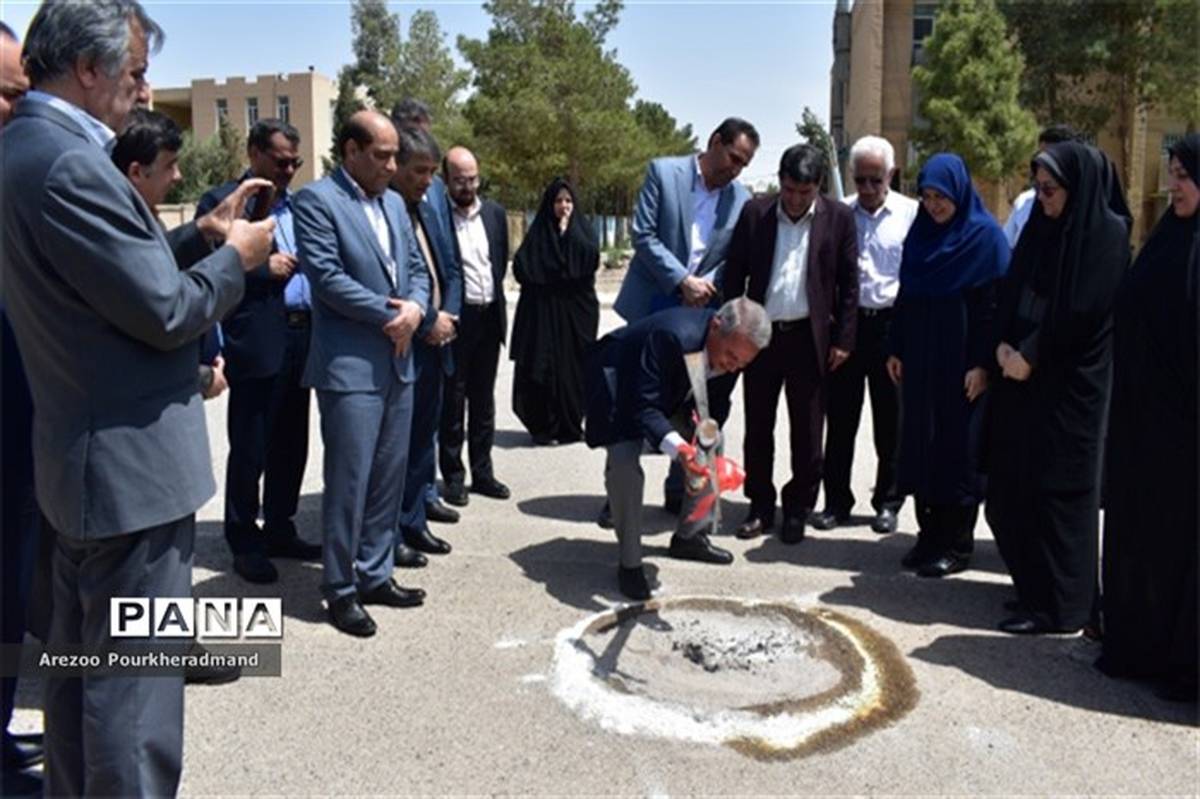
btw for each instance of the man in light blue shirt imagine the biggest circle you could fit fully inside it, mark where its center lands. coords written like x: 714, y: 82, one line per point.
x: 266, y: 341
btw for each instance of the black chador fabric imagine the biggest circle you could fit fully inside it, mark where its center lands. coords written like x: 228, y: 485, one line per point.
x: 1047, y: 432
x: 1150, y: 523
x: 556, y: 319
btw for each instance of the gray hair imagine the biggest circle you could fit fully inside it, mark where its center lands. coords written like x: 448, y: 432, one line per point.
x: 877, y: 146
x: 64, y: 31
x: 746, y: 317
x: 416, y: 142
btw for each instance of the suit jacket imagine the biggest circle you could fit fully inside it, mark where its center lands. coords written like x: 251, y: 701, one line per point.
x: 495, y: 225
x: 433, y: 211
x: 347, y: 271
x: 831, y: 280
x: 107, y: 327
x: 662, y: 237
x: 635, y: 378
x: 255, y: 332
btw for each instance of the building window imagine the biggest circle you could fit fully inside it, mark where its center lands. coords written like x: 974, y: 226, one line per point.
x: 282, y: 108
x: 222, y: 109
x: 923, y: 14
x: 251, y: 111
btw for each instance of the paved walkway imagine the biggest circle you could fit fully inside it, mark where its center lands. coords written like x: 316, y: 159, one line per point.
x: 452, y: 698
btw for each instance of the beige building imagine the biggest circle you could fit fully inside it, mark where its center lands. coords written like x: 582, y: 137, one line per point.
x: 304, y: 99
x: 872, y: 93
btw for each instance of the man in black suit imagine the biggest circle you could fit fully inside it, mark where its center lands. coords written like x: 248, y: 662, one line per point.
x: 266, y: 342
x: 637, y: 390
x: 433, y: 360
x: 797, y: 254
x: 481, y: 247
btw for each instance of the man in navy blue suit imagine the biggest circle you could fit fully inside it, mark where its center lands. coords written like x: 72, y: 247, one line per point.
x: 266, y: 340
x: 637, y: 391
x: 433, y: 361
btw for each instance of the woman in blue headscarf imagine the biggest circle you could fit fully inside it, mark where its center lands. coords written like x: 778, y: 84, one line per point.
x: 941, y: 342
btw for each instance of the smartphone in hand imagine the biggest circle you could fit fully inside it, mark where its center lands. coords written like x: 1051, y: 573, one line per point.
x: 263, y: 200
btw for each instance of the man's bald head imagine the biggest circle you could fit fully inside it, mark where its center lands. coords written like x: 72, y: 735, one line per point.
x: 368, y: 144
x: 13, y: 82
x: 461, y: 171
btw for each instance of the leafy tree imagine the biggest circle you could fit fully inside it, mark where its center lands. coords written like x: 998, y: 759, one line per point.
x: 969, y: 88
x: 813, y: 131
x: 209, y: 162
x: 666, y: 138
x: 426, y: 71
x: 550, y: 100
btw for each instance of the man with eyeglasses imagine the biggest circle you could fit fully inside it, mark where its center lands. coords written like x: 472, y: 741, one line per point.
x: 266, y: 342
x: 481, y: 244
x: 882, y: 218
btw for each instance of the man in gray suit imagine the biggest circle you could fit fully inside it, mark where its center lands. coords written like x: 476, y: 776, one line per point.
x: 684, y: 219
x: 107, y: 326
x: 370, y: 290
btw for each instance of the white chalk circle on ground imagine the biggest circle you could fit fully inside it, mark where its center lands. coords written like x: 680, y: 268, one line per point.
x: 769, y: 679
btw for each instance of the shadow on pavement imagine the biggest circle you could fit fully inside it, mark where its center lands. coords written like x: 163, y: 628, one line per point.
x: 586, y: 507
x: 958, y: 601
x: 1054, y: 668
x: 575, y: 571
x: 831, y: 550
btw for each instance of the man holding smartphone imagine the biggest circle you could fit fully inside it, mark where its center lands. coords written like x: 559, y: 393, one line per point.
x: 266, y: 342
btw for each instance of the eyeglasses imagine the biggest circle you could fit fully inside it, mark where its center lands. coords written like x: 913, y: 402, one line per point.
x: 860, y: 180
x: 284, y: 163
x: 1046, y: 190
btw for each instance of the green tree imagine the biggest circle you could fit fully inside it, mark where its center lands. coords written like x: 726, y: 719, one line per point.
x: 426, y: 71
x: 969, y: 88
x: 550, y: 100
x: 665, y: 137
x: 209, y: 162
x: 813, y: 131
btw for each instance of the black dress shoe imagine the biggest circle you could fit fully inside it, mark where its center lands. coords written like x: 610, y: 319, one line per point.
x: 212, y: 674
x: 943, y: 565
x: 253, y: 567
x: 425, y: 541
x: 544, y: 440
x: 633, y: 583
x: 349, y: 616
x: 753, y: 527
x: 490, y: 487
x: 456, y: 495
x: 393, y: 595
x: 439, y: 512
x: 1030, y: 624
x: 409, y: 558
x: 605, y: 517
x: 292, y: 547
x: 22, y: 752
x: 828, y: 520
x: 673, y: 503
x: 698, y: 547
x: 793, y: 530
x: 884, y: 522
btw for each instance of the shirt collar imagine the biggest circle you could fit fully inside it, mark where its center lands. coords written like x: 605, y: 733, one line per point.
x: 808, y: 215
x: 698, y: 184
x: 99, y: 132
x: 471, y: 211
x: 889, y: 205
x: 358, y: 190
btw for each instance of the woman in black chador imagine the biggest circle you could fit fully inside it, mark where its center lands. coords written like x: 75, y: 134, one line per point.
x: 1050, y: 395
x: 941, y: 337
x: 1150, y: 519
x: 556, y: 319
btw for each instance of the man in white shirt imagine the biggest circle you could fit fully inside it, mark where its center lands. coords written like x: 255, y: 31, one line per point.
x: 796, y: 254
x: 1023, y: 205
x: 882, y: 219
x: 480, y: 229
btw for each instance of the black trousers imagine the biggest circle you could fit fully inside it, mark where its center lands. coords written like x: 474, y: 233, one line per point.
x: 867, y: 364
x: 471, y: 390
x: 268, y: 439
x: 790, y: 364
